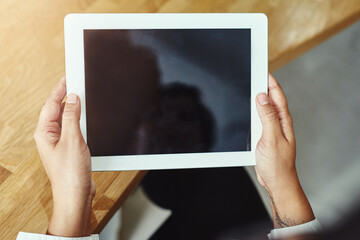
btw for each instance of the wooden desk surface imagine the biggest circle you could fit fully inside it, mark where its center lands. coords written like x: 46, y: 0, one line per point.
x: 32, y: 61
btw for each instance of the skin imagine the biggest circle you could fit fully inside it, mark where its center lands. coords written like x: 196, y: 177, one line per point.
x: 67, y: 162
x: 275, y: 160
x: 66, y: 159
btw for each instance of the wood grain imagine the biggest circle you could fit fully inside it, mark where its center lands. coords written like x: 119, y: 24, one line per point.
x: 32, y: 60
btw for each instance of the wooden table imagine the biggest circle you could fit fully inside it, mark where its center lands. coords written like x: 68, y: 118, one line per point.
x: 32, y: 60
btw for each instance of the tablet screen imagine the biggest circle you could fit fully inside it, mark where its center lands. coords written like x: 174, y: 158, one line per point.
x: 158, y: 91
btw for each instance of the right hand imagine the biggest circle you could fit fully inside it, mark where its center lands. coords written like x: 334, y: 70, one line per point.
x: 275, y: 160
x: 276, y: 150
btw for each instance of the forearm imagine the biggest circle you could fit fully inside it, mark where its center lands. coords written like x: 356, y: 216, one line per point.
x: 290, y: 205
x: 71, y: 215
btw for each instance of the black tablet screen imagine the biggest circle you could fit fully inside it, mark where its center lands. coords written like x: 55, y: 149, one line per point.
x: 159, y: 91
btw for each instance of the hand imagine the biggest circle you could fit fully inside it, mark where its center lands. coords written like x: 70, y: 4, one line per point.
x: 275, y: 159
x: 276, y: 149
x: 67, y: 162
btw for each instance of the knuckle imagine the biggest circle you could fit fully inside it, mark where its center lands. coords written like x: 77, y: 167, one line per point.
x: 285, y: 115
x: 263, y: 147
x: 70, y: 112
x: 36, y: 136
x: 51, y: 137
x: 53, y: 99
x: 47, y: 133
x: 273, y: 85
x: 39, y: 135
x: 270, y: 116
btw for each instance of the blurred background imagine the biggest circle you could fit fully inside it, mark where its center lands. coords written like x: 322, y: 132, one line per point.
x: 322, y: 87
x: 314, y: 52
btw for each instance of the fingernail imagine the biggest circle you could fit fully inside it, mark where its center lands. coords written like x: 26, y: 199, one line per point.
x: 263, y: 99
x: 72, y: 98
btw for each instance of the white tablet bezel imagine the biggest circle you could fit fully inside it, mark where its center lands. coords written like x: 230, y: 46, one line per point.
x: 74, y: 26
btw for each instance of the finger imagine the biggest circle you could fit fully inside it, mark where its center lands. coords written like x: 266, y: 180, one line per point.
x: 278, y: 100
x: 61, y: 113
x: 51, y: 109
x: 48, y: 128
x: 270, y: 122
x: 70, y: 119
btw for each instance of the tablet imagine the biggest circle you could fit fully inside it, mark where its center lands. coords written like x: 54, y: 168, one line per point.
x: 165, y: 91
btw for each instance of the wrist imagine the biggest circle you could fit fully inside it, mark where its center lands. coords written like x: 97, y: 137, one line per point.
x: 285, y: 182
x: 71, y: 213
x: 71, y: 194
x: 290, y: 205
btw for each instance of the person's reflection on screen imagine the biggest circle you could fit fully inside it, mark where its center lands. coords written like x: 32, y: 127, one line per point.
x: 178, y: 122
x: 122, y: 82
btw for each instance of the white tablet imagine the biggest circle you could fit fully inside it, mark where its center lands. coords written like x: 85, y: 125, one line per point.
x: 164, y: 91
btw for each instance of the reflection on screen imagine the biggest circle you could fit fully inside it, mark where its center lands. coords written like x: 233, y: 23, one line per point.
x: 167, y: 90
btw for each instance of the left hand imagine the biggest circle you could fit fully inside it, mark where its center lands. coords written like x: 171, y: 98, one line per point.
x: 67, y: 162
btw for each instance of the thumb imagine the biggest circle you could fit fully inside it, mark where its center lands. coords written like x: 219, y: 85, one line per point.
x: 268, y: 116
x: 70, y: 119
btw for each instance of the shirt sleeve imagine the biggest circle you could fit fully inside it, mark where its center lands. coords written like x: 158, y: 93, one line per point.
x: 306, y: 228
x: 36, y: 236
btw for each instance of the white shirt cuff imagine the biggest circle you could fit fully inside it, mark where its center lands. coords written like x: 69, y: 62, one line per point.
x: 36, y: 236
x: 306, y: 228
